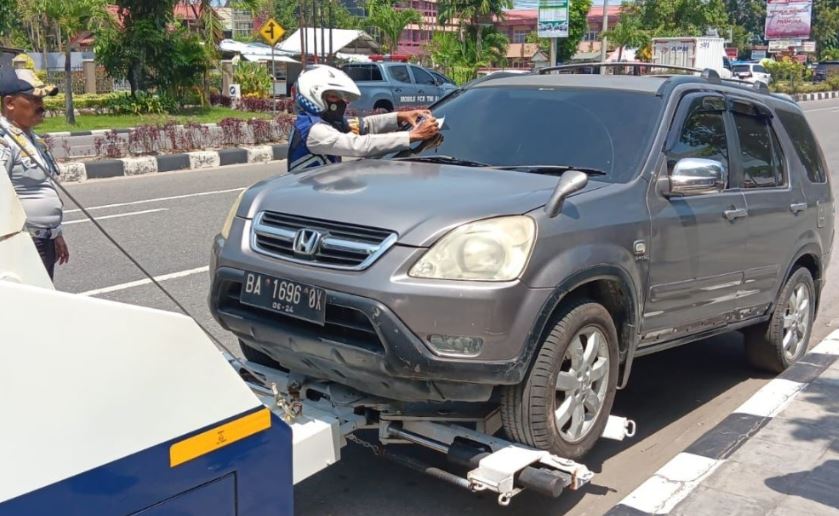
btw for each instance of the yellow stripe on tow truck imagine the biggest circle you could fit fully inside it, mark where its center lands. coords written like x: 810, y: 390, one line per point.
x: 219, y: 437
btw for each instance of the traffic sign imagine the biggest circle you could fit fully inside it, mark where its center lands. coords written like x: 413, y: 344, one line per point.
x: 271, y: 31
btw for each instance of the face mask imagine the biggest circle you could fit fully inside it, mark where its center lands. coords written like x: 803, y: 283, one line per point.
x: 335, y: 111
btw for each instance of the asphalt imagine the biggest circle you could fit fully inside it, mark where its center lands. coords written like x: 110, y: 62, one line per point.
x: 674, y: 396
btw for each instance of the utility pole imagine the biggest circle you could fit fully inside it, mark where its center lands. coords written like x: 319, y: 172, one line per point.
x: 273, y: 72
x: 554, y: 43
x: 604, y: 43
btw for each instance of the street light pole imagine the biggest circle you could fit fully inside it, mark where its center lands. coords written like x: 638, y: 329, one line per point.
x: 604, y: 43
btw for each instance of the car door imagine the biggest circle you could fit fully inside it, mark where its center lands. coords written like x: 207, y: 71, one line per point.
x: 404, y: 89
x: 697, y: 243
x: 774, y: 199
x: 427, y: 89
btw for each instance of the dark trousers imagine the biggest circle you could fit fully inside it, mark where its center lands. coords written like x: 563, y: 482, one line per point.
x: 46, y: 248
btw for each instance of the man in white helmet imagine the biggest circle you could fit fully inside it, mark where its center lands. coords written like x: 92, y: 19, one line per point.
x: 322, y: 134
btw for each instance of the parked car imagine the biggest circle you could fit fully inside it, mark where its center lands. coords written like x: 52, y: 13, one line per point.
x: 388, y: 86
x: 563, y: 227
x: 824, y: 69
x: 752, y: 72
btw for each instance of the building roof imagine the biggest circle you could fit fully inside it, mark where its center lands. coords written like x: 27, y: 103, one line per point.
x: 342, y: 39
x: 531, y: 15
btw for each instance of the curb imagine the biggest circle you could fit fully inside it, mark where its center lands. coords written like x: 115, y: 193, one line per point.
x: 821, y: 95
x: 671, y: 484
x: 77, y: 172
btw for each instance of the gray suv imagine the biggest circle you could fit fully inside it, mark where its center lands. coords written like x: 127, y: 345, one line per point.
x: 563, y: 226
x: 388, y: 86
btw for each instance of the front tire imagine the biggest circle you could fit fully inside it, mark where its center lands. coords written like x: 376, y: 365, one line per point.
x: 564, y: 402
x: 776, y: 345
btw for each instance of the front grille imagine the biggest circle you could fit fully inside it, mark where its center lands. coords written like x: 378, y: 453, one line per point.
x: 340, y: 246
x: 342, y: 324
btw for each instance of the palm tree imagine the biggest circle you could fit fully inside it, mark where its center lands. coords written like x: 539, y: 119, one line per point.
x: 390, y: 21
x: 471, y: 13
x: 627, y: 33
x: 70, y: 18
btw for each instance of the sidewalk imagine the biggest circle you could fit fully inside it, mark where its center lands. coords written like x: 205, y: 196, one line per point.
x: 777, y: 454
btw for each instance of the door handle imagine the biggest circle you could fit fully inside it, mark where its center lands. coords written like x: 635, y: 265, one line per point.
x: 733, y: 215
x: 397, y: 90
x: 798, y: 207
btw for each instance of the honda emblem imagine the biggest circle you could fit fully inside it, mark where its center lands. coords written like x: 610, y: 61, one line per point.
x: 306, y: 241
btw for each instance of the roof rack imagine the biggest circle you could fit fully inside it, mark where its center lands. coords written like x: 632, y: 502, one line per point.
x: 707, y: 73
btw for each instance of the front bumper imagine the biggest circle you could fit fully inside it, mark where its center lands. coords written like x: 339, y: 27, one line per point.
x: 374, y: 339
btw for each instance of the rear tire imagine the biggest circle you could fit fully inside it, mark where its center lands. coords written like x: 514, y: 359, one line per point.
x: 775, y: 345
x: 564, y: 402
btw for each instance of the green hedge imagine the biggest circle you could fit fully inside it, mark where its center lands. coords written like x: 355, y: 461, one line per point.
x: 84, y: 101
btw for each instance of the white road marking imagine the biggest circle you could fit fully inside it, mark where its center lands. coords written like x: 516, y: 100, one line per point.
x: 139, y: 283
x: 129, y: 214
x: 159, y: 199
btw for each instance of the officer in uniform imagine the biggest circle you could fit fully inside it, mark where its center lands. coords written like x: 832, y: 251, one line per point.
x: 25, y: 158
x: 322, y: 134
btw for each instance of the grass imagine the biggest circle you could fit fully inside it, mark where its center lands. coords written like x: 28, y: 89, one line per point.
x: 198, y: 115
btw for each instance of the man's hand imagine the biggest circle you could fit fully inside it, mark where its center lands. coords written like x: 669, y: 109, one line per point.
x: 425, y: 131
x: 411, y: 117
x: 62, y: 253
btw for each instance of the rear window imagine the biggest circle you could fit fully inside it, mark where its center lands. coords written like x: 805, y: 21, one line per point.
x: 742, y: 68
x: 805, y: 144
x: 361, y: 73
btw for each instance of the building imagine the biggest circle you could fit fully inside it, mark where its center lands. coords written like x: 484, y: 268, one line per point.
x: 415, y: 37
x: 518, y: 23
x: 526, y: 56
x: 238, y: 24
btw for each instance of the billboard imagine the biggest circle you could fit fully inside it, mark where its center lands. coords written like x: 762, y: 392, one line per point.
x: 788, y: 19
x: 553, y: 18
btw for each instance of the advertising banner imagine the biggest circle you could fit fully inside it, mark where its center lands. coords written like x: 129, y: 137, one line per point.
x: 788, y: 19
x: 553, y: 19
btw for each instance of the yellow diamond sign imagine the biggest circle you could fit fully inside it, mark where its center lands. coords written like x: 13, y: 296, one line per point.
x: 271, y: 31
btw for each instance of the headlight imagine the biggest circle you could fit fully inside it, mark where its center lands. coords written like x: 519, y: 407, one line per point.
x: 228, y: 222
x: 488, y: 250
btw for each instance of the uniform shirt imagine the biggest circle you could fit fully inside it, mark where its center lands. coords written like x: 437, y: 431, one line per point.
x: 35, y: 189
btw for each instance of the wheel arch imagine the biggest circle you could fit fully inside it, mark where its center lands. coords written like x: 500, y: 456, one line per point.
x: 608, y: 285
x: 810, y: 258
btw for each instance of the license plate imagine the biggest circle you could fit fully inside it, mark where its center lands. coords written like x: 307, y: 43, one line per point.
x: 284, y: 296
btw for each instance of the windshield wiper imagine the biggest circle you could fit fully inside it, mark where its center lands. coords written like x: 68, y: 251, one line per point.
x: 552, y: 169
x: 447, y: 160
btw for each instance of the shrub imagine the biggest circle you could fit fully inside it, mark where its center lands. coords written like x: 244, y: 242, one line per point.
x: 833, y: 80
x: 142, y: 103
x: 83, y: 101
x: 253, y: 78
x: 220, y: 100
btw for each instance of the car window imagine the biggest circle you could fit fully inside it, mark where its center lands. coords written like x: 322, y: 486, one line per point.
x: 421, y: 76
x: 400, y: 74
x: 442, y: 78
x: 360, y: 73
x: 703, y: 133
x: 805, y: 144
x: 742, y: 68
x: 760, y: 69
x: 760, y: 153
x: 608, y: 130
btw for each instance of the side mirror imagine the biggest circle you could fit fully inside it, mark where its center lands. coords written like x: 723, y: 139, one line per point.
x: 696, y: 176
x: 570, y: 182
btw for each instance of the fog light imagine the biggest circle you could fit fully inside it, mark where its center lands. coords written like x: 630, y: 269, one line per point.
x: 456, y: 346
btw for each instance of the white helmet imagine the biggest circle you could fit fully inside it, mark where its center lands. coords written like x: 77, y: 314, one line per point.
x: 320, y: 79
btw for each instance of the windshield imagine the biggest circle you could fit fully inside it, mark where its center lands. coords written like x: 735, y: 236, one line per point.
x: 604, y: 130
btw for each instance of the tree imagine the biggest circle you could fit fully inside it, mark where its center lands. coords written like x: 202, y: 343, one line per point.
x: 577, y: 28
x: 390, y: 22
x: 678, y: 17
x: 287, y: 14
x: 462, y: 59
x: 7, y: 17
x: 470, y: 14
x: 825, y: 29
x: 134, y: 49
x: 627, y: 33
x: 70, y: 18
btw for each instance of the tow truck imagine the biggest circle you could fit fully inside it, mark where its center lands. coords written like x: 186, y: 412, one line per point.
x: 111, y: 408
